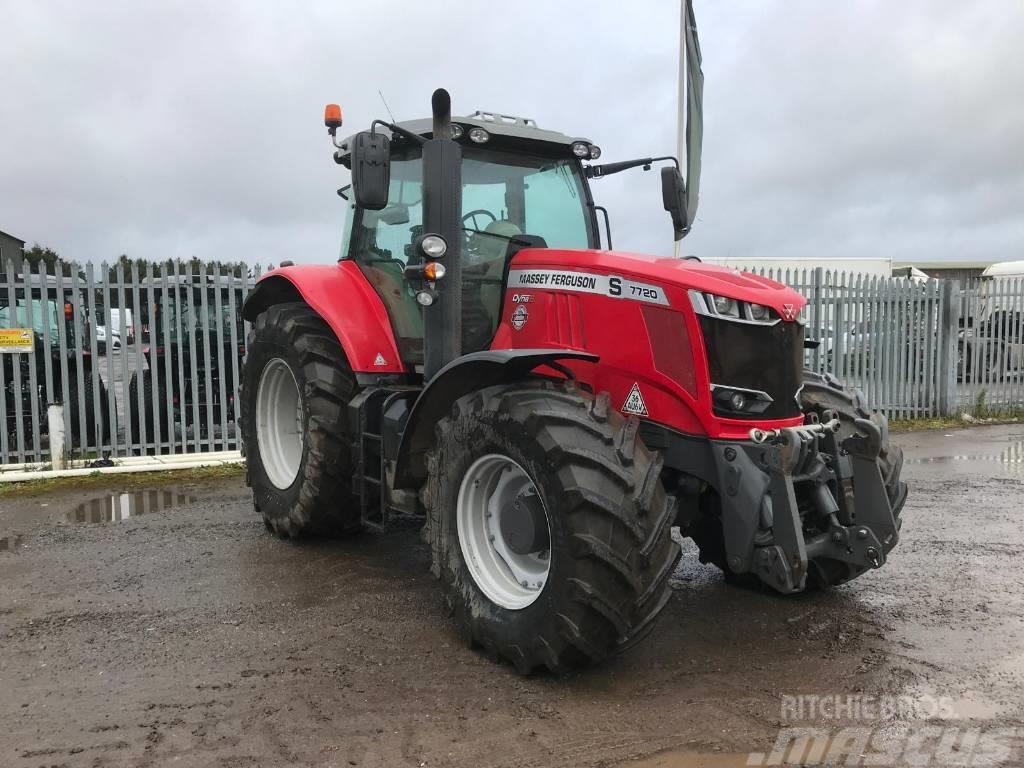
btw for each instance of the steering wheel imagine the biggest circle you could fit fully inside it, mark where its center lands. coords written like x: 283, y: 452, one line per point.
x: 471, y: 217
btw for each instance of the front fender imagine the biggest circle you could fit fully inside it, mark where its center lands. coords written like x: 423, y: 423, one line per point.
x: 341, y: 295
x: 460, y: 377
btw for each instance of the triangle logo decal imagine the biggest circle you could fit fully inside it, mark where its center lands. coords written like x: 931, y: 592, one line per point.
x: 634, y: 402
x: 379, y: 360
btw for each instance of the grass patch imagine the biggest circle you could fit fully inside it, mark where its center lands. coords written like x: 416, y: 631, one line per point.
x: 951, y: 422
x: 123, y: 482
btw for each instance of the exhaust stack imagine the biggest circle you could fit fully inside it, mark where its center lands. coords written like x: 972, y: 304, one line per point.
x: 442, y: 215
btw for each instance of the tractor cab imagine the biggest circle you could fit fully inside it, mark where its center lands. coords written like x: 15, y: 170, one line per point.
x: 522, y: 187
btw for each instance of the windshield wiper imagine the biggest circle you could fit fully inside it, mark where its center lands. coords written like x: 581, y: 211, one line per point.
x: 517, y: 239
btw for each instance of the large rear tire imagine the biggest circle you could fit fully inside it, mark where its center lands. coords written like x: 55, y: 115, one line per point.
x: 147, y: 409
x: 295, y: 388
x: 604, y: 576
x: 92, y: 437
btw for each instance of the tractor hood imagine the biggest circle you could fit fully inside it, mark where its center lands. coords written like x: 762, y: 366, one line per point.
x: 667, y: 271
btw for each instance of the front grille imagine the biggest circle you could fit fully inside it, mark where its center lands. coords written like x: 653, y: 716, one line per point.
x: 764, y: 358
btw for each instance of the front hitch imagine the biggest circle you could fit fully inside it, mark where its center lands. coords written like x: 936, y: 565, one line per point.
x: 859, y: 531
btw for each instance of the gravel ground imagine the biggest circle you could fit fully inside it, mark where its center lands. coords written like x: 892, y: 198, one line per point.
x: 167, y: 627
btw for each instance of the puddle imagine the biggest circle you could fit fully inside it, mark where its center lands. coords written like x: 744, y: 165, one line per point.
x: 10, y: 543
x: 117, y: 507
x: 1011, y: 457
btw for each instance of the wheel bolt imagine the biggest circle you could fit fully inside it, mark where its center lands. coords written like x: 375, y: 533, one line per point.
x: 523, y: 582
x: 490, y: 538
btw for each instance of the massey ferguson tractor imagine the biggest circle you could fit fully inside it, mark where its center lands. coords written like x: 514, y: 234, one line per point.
x: 550, y: 408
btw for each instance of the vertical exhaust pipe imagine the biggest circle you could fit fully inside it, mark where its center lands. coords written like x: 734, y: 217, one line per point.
x: 442, y: 215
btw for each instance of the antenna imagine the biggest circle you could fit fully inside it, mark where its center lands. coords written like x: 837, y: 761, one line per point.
x: 386, y: 105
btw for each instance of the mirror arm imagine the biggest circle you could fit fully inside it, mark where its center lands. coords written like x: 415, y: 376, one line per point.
x: 607, y: 169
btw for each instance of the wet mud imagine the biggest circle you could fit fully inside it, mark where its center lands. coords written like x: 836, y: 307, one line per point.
x: 170, y: 629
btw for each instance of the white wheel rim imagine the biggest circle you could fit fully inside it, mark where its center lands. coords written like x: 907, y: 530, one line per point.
x: 489, y: 489
x: 279, y: 423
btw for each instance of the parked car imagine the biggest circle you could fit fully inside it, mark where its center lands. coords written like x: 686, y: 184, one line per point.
x: 103, y: 340
x: 122, y: 319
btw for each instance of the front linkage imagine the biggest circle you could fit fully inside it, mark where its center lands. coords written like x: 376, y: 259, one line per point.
x: 801, y: 481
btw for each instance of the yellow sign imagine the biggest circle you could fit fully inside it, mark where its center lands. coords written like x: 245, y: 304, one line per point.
x: 16, y: 340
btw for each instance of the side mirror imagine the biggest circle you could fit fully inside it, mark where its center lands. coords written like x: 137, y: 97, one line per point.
x: 673, y: 197
x: 371, y: 169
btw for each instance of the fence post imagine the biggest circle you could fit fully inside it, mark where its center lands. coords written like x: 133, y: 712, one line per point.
x: 816, y: 293
x: 950, y: 336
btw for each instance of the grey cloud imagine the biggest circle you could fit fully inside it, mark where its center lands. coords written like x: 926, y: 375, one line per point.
x: 832, y: 129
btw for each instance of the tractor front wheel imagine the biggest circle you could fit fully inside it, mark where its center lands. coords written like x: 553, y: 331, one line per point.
x: 548, y: 525
x: 295, y: 389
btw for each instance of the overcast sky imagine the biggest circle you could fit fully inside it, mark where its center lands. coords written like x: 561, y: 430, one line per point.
x: 832, y: 129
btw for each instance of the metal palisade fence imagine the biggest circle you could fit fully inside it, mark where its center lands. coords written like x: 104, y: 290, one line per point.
x: 144, y: 361
x: 147, y: 360
x: 917, y: 348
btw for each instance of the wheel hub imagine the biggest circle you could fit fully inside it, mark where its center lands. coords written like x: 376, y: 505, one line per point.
x: 279, y: 432
x: 504, y: 531
x: 524, y: 525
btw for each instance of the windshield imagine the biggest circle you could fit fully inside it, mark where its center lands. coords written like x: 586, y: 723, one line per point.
x: 185, y: 315
x: 504, y: 195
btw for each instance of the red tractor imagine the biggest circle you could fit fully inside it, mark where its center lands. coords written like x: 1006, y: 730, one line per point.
x: 551, y: 409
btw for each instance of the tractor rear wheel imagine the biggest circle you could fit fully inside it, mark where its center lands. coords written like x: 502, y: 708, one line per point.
x: 146, y: 417
x: 295, y: 388
x: 548, y: 524
x: 92, y: 438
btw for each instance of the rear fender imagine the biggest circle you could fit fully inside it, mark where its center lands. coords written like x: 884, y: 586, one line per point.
x: 460, y: 377
x: 345, y: 300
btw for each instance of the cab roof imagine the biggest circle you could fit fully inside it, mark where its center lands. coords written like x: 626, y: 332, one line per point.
x: 520, y: 130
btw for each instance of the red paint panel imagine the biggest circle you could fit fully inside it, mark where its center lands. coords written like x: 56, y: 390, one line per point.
x: 657, y: 347
x: 670, y: 343
x: 347, y: 302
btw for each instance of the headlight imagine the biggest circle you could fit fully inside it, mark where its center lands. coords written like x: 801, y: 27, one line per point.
x: 725, y: 307
x: 595, y: 151
x: 456, y: 131
x: 433, y: 246
x: 478, y: 135
x: 580, y: 149
x: 759, y: 312
x: 735, y: 401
